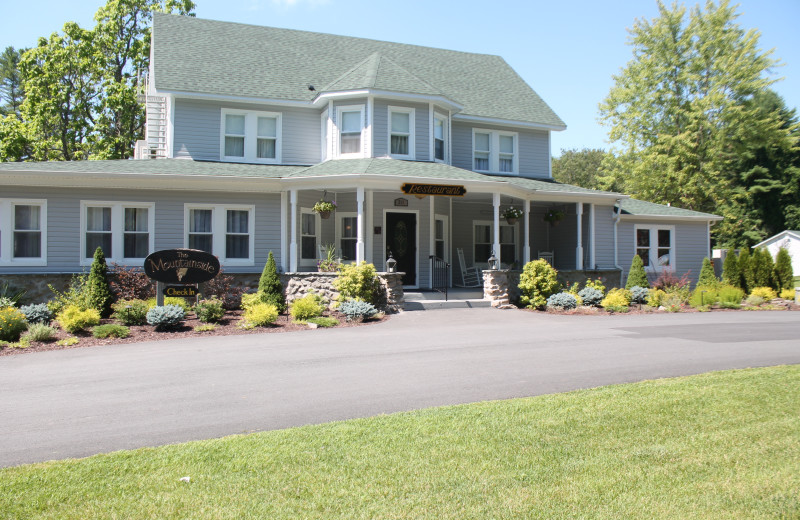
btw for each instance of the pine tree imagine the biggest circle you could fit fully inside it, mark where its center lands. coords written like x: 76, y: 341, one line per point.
x: 747, y: 280
x: 98, y: 289
x: 270, y: 287
x: 637, y: 274
x: 730, y: 270
x: 784, y: 276
x: 707, y: 277
x: 762, y: 268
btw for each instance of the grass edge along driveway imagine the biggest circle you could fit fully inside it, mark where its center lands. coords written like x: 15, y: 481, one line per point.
x: 718, y: 445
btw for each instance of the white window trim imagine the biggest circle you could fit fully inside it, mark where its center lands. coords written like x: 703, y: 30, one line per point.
x: 446, y: 220
x: 445, y: 133
x: 411, y: 155
x: 309, y: 262
x: 7, y: 232
x: 219, y: 228
x: 494, y: 150
x: 338, y: 136
x: 325, y: 134
x: 338, y: 234
x: 654, y: 267
x: 490, y: 223
x: 251, y: 136
x: 117, y: 229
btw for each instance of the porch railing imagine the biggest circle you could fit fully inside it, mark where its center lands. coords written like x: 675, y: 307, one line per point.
x: 440, y: 275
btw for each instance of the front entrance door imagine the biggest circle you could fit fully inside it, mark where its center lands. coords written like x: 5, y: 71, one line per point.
x: 401, y: 240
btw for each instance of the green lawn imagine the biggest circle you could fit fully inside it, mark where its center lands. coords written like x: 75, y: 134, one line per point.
x: 720, y: 445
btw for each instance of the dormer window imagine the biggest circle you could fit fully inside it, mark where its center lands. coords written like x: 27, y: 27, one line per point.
x: 350, y: 121
x: 439, y: 125
x: 249, y: 136
x: 495, y: 151
x: 401, y: 132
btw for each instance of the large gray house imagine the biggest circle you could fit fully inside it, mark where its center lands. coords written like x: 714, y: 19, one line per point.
x: 422, y: 150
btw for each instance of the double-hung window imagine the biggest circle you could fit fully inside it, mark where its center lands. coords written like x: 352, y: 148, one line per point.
x: 484, y: 243
x: 439, y: 138
x: 401, y: 132
x: 249, y: 136
x: 495, y: 151
x: 123, y: 230
x: 350, y: 123
x: 23, y: 232
x: 655, y: 245
x: 348, y: 235
x: 309, y: 237
x: 225, y: 231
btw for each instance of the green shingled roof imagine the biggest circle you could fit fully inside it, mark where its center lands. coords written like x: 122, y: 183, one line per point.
x: 393, y: 168
x: 230, y: 59
x: 156, y: 167
x: 650, y: 209
x: 550, y: 185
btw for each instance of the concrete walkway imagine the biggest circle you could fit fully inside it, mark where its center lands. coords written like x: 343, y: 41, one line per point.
x: 79, y: 402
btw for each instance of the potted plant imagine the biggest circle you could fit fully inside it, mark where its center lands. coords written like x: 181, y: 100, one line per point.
x: 324, y: 207
x: 329, y: 264
x: 512, y: 214
x: 553, y: 216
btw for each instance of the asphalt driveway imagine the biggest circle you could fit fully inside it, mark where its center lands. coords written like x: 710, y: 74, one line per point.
x: 79, y: 402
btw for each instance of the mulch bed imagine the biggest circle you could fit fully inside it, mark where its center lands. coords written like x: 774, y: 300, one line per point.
x: 142, y: 333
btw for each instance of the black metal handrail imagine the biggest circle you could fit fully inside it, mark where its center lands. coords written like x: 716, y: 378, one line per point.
x: 440, y: 275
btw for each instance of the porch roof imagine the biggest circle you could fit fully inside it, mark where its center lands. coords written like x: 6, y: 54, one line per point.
x: 640, y: 208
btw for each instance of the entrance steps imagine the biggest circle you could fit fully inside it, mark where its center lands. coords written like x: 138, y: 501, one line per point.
x: 457, y: 298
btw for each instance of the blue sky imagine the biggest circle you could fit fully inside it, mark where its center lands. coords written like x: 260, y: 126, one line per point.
x: 567, y: 51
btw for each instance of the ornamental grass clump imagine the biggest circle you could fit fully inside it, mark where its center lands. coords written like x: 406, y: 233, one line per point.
x: 166, y: 317
x: 259, y: 315
x: 74, y: 319
x: 309, y: 306
x: 131, y: 312
x: 536, y: 283
x: 563, y: 301
x: 357, y: 311
x: 617, y: 300
x: 591, y: 296
x: 209, y: 311
x: 111, y: 330
x: 12, y: 324
x: 40, y: 332
x: 37, y: 313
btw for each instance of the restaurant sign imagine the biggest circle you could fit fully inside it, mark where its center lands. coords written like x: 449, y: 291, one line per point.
x: 445, y: 190
x: 185, y: 266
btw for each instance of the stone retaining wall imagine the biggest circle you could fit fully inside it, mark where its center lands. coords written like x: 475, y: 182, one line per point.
x: 501, y: 287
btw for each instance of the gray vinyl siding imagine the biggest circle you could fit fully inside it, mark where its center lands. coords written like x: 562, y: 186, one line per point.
x: 380, y: 136
x: 198, y: 127
x: 561, y: 238
x: 691, y: 245
x: 534, y: 148
x: 604, y: 236
x: 64, y: 230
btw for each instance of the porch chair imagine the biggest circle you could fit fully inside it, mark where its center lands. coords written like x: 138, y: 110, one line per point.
x: 547, y: 256
x: 470, y: 276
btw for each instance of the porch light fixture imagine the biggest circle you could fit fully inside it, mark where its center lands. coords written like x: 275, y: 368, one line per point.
x: 494, y: 263
x: 391, y: 263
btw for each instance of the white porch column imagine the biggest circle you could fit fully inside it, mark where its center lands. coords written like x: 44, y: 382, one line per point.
x: 579, y: 248
x: 431, y: 234
x: 360, y: 225
x: 293, y: 220
x: 592, y: 262
x: 284, y: 231
x: 496, y: 245
x: 526, y: 246
x: 370, y: 209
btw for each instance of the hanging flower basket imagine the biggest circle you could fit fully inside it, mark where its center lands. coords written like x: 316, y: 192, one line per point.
x: 512, y: 215
x: 325, y: 208
x: 553, y: 216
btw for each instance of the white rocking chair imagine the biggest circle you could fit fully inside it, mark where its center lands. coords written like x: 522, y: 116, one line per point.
x: 470, y: 276
x: 546, y: 256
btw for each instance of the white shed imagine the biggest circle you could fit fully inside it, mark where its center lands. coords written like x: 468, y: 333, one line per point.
x: 790, y: 240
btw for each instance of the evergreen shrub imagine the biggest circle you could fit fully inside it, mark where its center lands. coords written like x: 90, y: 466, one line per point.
x: 590, y: 296
x: 37, y: 313
x: 764, y: 292
x: 260, y: 315
x: 562, y: 301
x: 655, y: 297
x: 356, y: 310
x: 617, y: 300
x: 746, y: 276
x: 111, y: 330
x: 73, y: 318
x: 358, y: 282
x: 536, y: 283
x: 98, y: 290
x: 787, y: 294
x: 636, y: 274
x: 309, y: 306
x: 784, y: 275
x: 639, y: 294
x: 707, y: 277
x: 270, y: 287
x: 166, y: 316
x: 730, y: 295
x: 730, y: 270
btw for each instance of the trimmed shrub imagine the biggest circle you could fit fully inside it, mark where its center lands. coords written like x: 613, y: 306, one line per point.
x: 39, y: 332
x: 591, y: 296
x: 269, y: 285
x: 783, y: 273
x: 356, y: 310
x: 12, y: 323
x: 37, y: 313
x: 729, y: 295
x: 617, y: 300
x: 74, y: 319
x: 111, y: 330
x: 166, y: 317
x: 358, y: 282
x: 707, y: 277
x: 130, y: 283
x: 209, y: 311
x: 536, y: 283
x: 764, y: 292
x: 309, y: 306
x: 655, y: 297
x: 562, y: 301
x: 260, y: 315
x: 703, y: 296
x: 131, y: 312
x: 637, y: 274
x: 224, y: 287
x: 746, y: 277
x: 730, y: 270
x: 98, y: 290
x: 787, y: 294
x: 639, y: 294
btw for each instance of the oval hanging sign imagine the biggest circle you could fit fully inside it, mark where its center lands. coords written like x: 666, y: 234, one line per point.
x: 181, y: 266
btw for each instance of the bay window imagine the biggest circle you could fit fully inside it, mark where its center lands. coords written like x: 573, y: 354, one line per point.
x: 23, y: 231
x: 249, y: 136
x: 225, y: 231
x: 123, y: 230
